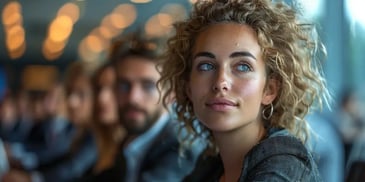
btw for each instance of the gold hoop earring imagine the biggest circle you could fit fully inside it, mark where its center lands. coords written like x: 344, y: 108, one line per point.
x: 267, y: 115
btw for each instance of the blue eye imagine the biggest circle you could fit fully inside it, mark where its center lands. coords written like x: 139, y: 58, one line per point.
x: 243, y: 68
x: 124, y: 86
x: 205, y: 67
x: 149, y: 86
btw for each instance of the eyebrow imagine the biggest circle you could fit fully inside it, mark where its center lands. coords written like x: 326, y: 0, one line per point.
x: 242, y: 54
x: 233, y: 55
x: 204, y: 54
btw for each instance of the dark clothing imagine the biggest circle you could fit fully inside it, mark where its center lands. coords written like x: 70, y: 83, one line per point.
x: 113, y: 174
x: 161, y: 162
x: 73, y: 164
x: 47, y: 141
x: 280, y: 157
x: 17, y: 131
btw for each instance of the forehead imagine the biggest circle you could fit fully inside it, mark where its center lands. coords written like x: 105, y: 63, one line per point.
x: 134, y: 68
x: 224, y: 37
x: 106, y: 75
x: 81, y: 82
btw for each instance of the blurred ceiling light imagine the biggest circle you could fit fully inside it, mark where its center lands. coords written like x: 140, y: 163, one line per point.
x: 118, y: 21
x: 155, y: 26
x: 11, y: 19
x: 60, y: 29
x: 15, y: 37
x: 10, y: 8
x: 177, y: 11
x: 18, y: 52
x: 71, y: 10
x: 128, y: 11
x: 105, y: 32
x: 108, y: 25
x: 14, y: 31
x: 355, y: 11
x: 94, y: 43
x: 54, y: 47
x: 141, y: 1
x: 164, y: 19
x: 50, y: 56
x: 85, y: 54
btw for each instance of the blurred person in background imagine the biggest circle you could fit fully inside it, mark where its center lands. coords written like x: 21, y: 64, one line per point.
x: 15, y: 122
x: 350, y: 119
x: 326, y: 145
x: 82, y: 152
x: 8, y: 117
x: 351, y: 123
x: 106, y: 127
x: 151, y: 150
x: 4, y: 165
x: 47, y: 128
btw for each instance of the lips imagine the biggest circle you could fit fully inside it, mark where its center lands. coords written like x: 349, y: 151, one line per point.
x: 221, y: 104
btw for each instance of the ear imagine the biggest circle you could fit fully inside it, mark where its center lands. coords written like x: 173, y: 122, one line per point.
x: 271, y: 91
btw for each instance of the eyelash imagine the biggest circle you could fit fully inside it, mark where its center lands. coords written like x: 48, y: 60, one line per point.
x: 211, y: 67
x: 249, y: 68
x: 199, y: 67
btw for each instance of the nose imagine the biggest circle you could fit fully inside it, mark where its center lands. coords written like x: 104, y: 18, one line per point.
x: 136, y: 95
x: 73, y: 101
x: 222, y: 82
x: 104, y: 96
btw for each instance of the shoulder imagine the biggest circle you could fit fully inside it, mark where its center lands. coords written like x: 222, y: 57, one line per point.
x: 165, y: 160
x: 167, y: 142
x: 207, y: 168
x: 280, y: 156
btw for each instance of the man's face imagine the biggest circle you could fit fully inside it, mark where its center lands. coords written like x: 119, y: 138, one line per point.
x: 138, y: 97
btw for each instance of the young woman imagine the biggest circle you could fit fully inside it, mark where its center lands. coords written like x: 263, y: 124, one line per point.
x: 247, y: 70
x: 105, y: 128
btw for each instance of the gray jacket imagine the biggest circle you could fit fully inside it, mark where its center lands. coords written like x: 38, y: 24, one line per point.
x: 279, y: 157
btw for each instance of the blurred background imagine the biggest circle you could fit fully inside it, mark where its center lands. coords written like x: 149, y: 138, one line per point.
x: 55, y: 33
x: 39, y: 39
x: 58, y: 32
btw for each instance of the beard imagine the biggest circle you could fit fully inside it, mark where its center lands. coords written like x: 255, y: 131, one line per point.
x: 133, y: 126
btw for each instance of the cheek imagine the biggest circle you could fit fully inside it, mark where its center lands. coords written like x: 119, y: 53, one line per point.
x: 198, y: 87
x: 251, y: 88
x: 196, y: 93
x: 151, y: 102
x: 86, y: 107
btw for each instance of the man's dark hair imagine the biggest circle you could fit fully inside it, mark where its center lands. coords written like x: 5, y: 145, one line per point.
x: 137, y: 45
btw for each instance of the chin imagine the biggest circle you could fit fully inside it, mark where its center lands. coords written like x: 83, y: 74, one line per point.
x: 219, y: 126
x: 221, y: 129
x: 108, y: 121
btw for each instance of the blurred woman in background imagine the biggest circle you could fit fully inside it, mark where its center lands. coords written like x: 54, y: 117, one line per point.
x: 106, y: 128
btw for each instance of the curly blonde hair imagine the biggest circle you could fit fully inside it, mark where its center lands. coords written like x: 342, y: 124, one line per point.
x: 291, y: 52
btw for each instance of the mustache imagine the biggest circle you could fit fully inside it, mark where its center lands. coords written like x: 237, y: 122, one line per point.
x: 131, y: 107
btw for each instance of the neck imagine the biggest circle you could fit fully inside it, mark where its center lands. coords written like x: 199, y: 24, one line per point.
x: 108, y: 139
x: 234, y: 145
x: 132, y: 136
x: 111, y: 132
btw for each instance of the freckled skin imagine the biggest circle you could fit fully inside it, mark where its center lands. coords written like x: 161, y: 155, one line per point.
x: 233, y: 70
